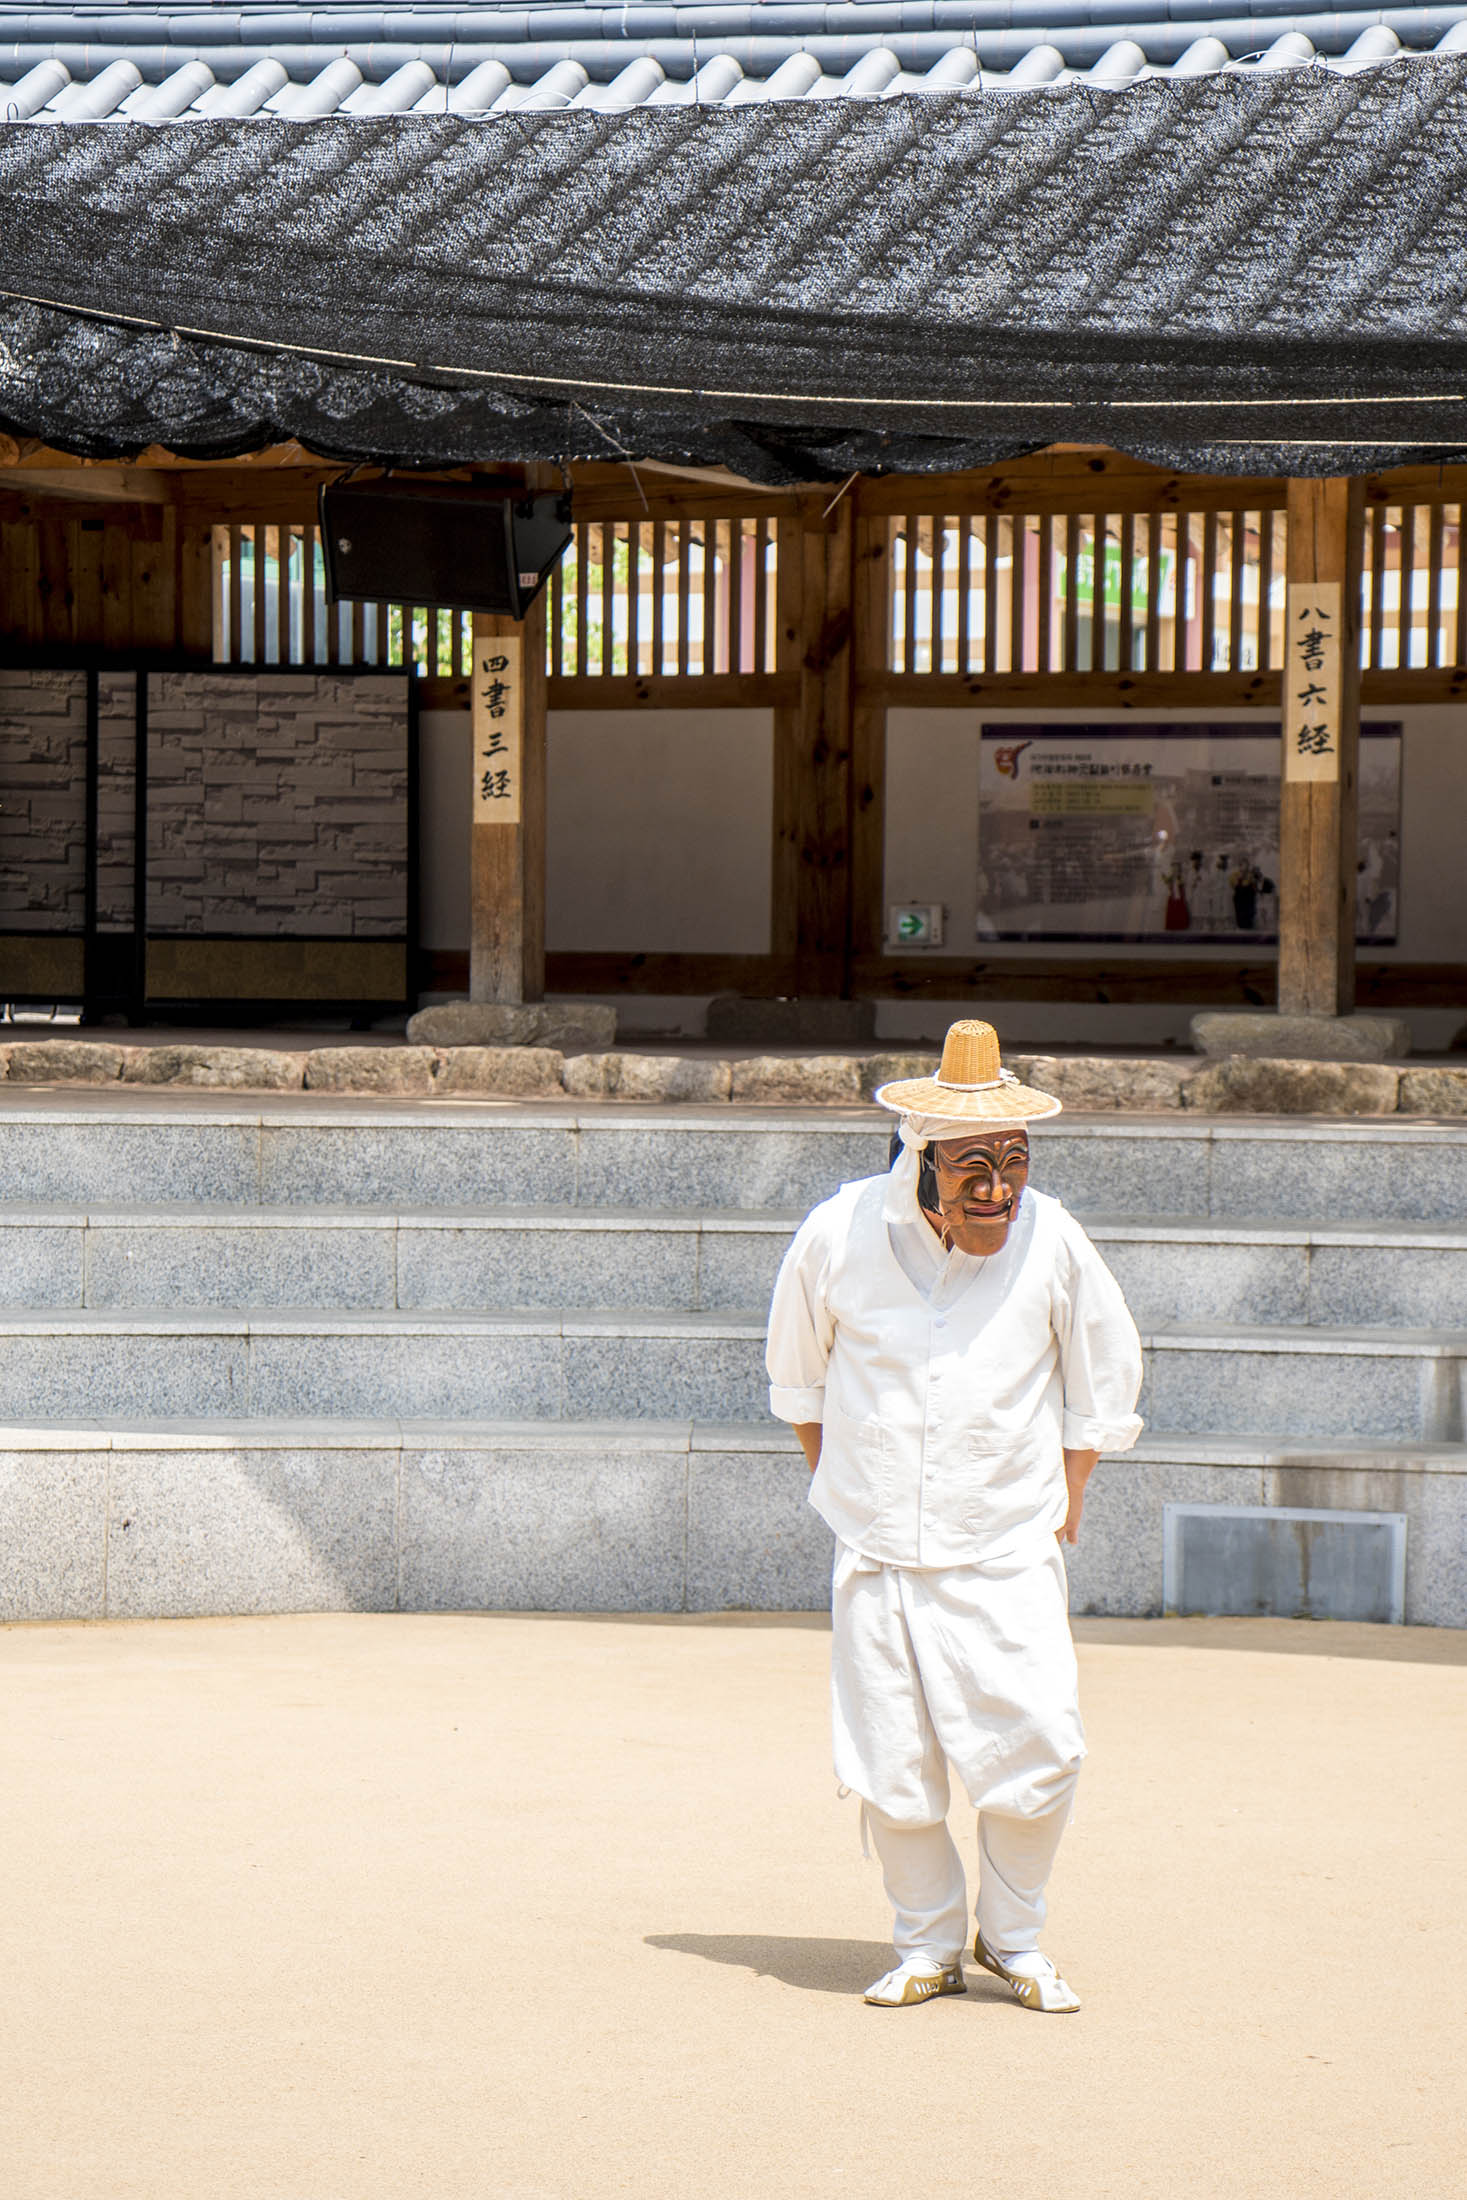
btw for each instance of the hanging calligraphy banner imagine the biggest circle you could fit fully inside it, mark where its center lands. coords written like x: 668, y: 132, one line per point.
x: 498, y: 720
x: 1313, y: 668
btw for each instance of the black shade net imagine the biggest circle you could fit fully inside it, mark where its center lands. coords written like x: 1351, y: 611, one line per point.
x: 1243, y: 273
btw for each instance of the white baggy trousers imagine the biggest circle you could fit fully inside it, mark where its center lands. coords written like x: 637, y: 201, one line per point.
x: 973, y: 1666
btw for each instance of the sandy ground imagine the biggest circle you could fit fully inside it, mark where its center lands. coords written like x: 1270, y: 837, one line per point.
x: 353, y: 1908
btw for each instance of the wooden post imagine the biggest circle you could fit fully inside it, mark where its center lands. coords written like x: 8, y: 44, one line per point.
x: 871, y: 613
x: 507, y: 859
x: 812, y: 751
x: 1318, y: 797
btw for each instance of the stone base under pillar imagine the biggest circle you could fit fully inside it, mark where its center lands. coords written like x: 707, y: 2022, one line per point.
x: 1281, y: 1038
x: 575, y: 1027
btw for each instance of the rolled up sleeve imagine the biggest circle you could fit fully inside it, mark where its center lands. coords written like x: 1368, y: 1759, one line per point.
x: 801, y: 1331
x: 1100, y: 1352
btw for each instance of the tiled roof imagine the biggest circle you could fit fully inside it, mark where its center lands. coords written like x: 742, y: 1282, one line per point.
x: 152, y: 62
x: 1248, y: 271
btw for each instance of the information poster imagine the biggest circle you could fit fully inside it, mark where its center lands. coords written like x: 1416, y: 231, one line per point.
x: 1156, y: 833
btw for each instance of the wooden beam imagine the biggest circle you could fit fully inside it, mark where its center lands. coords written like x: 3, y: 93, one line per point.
x: 941, y: 978
x: 1109, y: 690
x: 1414, y: 684
x: 716, y: 691
x: 871, y: 627
x: 1103, y: 979
x: 507, y: 861
x: 1318, y: 803
x: 31, y: 456
x: 195, y: 589
x: 1077, y: 691
x: 784, y: 914
x: 1117, y: 486
x: 1417, y: 485
x: 811, y: 916
x: 118, y: 632
x: 97, y: 485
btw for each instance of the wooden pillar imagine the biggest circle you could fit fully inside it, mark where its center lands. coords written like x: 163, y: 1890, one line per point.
x: 871, y: 640
x: 1319, y: 798
x: 811, y: 922
x: 507, y: 850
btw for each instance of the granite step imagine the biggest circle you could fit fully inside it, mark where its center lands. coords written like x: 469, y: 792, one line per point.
x: 516, y: 1364
x: 1398, y: 1385
x: 142, y: 1517
x: 391, y: 1154
x: 1403, y: 1384
x: 1329, y: 1274
x: 297, y: 1151
x: 446, y: 1260
x: 359, y: 1259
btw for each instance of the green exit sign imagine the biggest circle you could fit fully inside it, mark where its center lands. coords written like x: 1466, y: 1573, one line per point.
x: 915, y: 924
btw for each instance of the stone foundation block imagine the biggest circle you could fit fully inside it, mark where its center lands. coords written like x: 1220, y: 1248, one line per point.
x: 221, y: 1069
x: 1242, y: 1086
x: 64, y: 1062
x: 891, y: 1069
x: 647, y: 1077
x: 1279, y: 1038
x: 796, y: 1082
x: 574, y: 1025
x: 399, y: 1071
x: 1433, y: 1092
x: 1096, y: 1082
x: 472, y: 1024
x: 517, y: 1071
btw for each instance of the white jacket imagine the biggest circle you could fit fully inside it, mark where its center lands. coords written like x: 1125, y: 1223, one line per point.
x: 945, y: 1421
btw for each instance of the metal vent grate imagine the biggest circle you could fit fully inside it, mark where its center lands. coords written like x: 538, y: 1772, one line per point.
x: 1284, y: 1562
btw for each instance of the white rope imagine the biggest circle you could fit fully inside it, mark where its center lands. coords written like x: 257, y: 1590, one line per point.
x: 762, y: 397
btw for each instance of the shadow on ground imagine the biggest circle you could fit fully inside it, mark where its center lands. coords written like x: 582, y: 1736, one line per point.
x: 819, y: 1966
x: 816, y: 1966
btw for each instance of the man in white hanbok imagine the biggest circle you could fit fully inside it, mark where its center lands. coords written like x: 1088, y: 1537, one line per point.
x: 954, y: 1355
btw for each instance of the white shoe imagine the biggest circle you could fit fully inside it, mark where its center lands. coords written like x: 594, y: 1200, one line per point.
x: 1038, y: 1985
x: 917, y: 1978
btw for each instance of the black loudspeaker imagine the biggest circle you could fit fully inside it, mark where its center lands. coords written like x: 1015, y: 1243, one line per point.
x: 439, y: 542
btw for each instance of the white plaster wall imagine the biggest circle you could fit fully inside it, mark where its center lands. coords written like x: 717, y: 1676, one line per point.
x: 444, y: 757
x: 659, y: 839
x: 932, y: 844
x: 658, y: 832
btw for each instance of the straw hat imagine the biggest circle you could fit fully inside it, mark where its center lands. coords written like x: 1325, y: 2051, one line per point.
x: 971, y: 1086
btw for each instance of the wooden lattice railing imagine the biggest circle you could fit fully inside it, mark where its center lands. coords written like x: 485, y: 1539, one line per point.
x: 650, y: 598
x: 270, y: 608
x: 1097, y: 592
x: 1413, y: 611
x: 970, y: 593
x: 1156, y: 591
x: 665, y: 598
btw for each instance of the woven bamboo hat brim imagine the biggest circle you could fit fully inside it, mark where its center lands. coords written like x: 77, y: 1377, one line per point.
x: 971, y: 1085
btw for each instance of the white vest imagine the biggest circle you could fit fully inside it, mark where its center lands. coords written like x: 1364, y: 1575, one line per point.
x: 942, y: 1429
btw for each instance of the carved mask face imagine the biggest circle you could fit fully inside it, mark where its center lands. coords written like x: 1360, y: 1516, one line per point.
x: 980, y: 1181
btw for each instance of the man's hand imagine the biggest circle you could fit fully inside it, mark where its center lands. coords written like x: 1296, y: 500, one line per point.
x: 810, y: 1433
x: 1079, y: 1466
